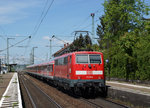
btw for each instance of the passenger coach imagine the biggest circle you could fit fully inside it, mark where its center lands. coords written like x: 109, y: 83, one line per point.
x: 43, y: 70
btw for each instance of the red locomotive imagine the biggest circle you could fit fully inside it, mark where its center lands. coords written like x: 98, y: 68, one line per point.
x: 78, y: 71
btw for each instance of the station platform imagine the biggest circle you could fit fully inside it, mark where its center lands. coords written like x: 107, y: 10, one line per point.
x: 11, y: 98
x: 139, y: 89
x: 135, y: 94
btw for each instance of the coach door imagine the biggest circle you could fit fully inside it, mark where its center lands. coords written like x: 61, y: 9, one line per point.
x: 69, y: 66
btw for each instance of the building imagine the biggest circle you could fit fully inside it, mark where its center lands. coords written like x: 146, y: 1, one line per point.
x: 65, y: 49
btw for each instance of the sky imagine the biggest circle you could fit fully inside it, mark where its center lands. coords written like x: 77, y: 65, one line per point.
x: 19, y: 19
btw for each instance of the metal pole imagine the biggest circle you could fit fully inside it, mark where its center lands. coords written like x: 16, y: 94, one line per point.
x: 7, y: 51
x: 30, y: 58
x: 5, y: 59
x: 33, y: 56
x: 0, y: 65
x: 50, y: 48
x: 93, y: 33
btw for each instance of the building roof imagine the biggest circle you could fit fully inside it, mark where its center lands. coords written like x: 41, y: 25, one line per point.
x: 63, y: 50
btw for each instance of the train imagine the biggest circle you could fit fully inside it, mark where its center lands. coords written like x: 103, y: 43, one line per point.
x: 80, y: 72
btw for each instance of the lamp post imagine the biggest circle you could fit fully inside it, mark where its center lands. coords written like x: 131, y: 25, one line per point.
x: 8, y: 49
x: 33, y: 54
x: 51, y: 44
x: 50, y: 48
x: 93, y: 33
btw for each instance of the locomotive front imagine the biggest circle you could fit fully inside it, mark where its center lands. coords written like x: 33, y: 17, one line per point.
x: 88, y: 71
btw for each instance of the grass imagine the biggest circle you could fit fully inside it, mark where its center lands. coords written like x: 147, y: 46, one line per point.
x: 15, y: 104
x: 15, y: 82
x: 7, y: 96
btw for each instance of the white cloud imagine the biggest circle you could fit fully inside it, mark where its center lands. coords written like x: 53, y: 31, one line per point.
x: 18, y: 35
x: 12, y: 11
x: 46, y: 38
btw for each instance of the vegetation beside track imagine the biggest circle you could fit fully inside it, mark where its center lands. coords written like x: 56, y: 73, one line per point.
x: 124, y: 38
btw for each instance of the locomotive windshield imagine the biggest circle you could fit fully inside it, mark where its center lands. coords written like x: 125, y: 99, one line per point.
x: 88, y: 58
x: 95, y: 58
x: 82, y: 58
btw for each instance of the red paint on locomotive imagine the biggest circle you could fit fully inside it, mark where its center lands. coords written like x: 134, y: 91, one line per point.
x: 74, y: 70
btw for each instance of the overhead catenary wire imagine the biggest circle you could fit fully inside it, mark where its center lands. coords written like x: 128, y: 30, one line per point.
x: 86, y: 19
x: 25, y: 51
x: 83, y: 22
x: 88, y: 25
x: 42, y: 18
x: 15, y: 44
x: 3, y: 36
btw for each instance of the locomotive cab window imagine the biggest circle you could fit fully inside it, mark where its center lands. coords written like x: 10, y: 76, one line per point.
x: 88, y: 58
x: 95, y: 59
x: 82, y: 58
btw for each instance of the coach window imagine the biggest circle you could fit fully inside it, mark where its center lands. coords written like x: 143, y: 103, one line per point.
x: 70, y: 59
x: 36, y: 69
x: 82, y: 58
x: 65, y: 60
x: 95, y: 59
x: 51, y: 68
x: 56, y: 62
x: 45, y: 68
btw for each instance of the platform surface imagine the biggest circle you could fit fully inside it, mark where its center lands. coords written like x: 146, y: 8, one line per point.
x: 135, y: 88
x: 12, y: 96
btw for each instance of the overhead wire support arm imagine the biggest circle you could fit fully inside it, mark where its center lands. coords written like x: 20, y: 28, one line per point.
x: 55, y: 46
x: 15, y: 44
x: 59, y: 39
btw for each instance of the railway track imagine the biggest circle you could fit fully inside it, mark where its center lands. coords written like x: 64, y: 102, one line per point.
x: 93, y: 103
x: 38, y: 98
x: 103, y: 103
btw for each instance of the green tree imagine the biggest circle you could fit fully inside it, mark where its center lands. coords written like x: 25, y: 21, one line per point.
x: 123, y: 60
x: 142, y: 53
x: 87, y: 40
x: 121, y: 29
x: 121, y: 16
x: 81, y: 42
x: 101, y: 33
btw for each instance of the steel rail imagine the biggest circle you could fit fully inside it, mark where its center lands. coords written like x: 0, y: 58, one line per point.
x: 29, y: 95
x: 50, y: 99
x: 92, y: 103
x: 99, y: 106
x: 116, y: 103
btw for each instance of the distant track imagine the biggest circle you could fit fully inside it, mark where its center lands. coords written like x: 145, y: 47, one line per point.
x: 37, y: 97
x: 103, y: 103
x: 91, y: 103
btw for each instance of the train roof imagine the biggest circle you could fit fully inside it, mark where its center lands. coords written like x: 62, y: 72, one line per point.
x: 64, y: 55
x: 79, y: 52
x: 41, y: 64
